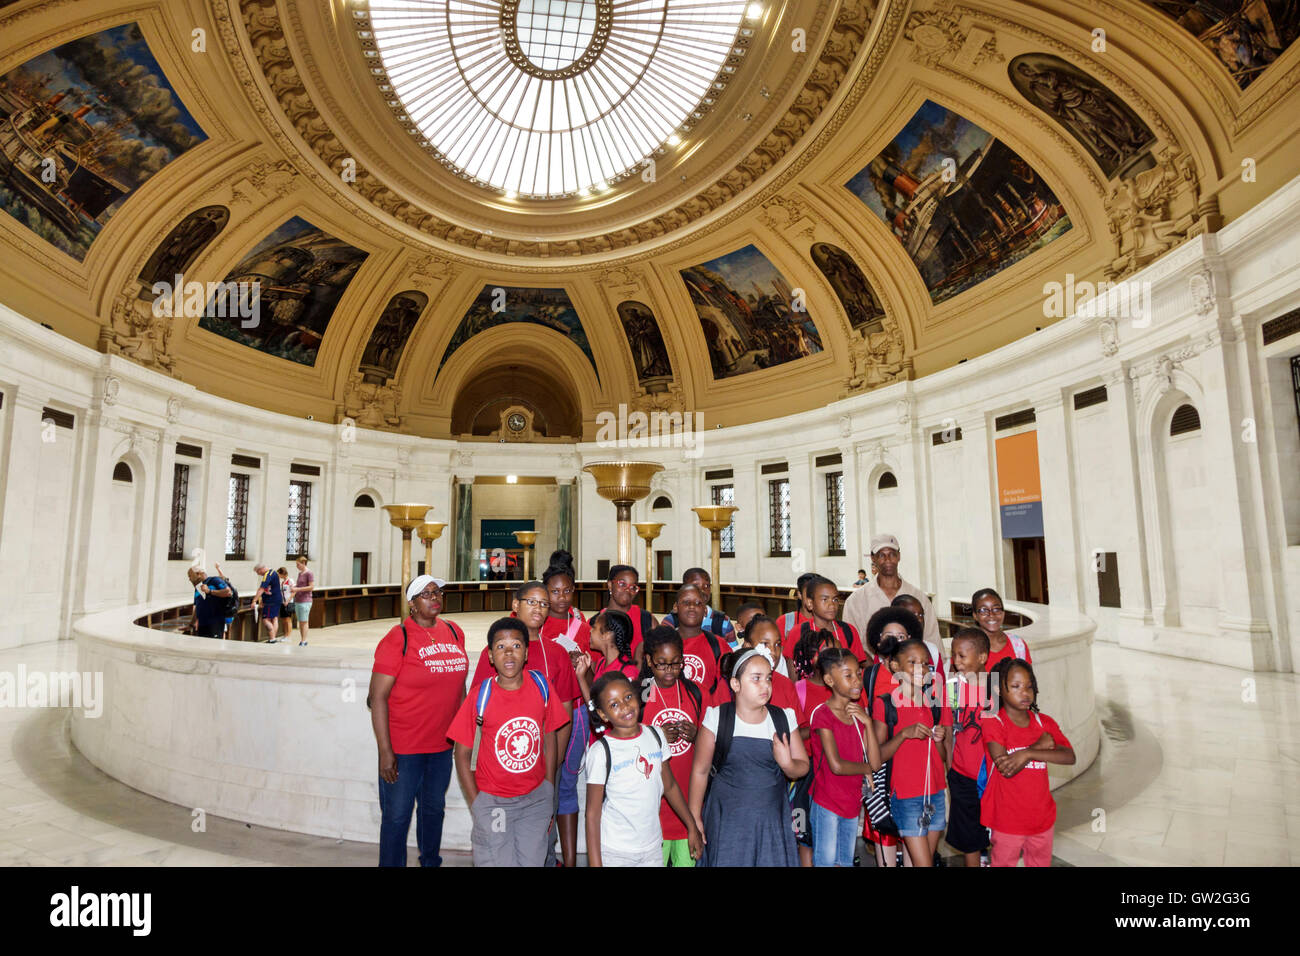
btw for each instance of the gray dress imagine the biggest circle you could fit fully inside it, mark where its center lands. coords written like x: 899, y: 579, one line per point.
x: 746, y: 813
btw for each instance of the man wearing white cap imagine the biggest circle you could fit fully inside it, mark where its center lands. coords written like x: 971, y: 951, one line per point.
x: 878, y: 593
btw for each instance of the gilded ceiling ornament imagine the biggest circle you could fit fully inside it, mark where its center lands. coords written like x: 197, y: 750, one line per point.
x: 134, y: 331
x: 937, y: 35
x: 371, y: 405
x: 1150, y: 212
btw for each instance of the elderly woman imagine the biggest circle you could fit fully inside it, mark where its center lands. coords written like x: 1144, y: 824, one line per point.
x: 416, y: 687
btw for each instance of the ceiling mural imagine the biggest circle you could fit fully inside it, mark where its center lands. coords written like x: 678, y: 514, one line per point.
x: 649, y: 354
x: 1104, y: 125
x: 299, y: 273
x: 856, y: 296
x: 177, y: 252
x: 499, y: 305
x: 964, y: 205
x: 82, y: 127
x: 388, y: 339
x: 1244, y: 35
x: 749, y: 314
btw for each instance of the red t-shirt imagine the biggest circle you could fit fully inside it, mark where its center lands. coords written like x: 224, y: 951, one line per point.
x: 967, y: 701
x: 907, y: 775
x: 698, y: 661
x: 554, y: 627
x: 430, y: 681
x: 1022, y: 804
x: 841, y: 628
x: 669, y: 707
x: 839, y: 793
x: 784, y: 694
x: 1007, y: 652
x: 550, y: 659
x: 634, y: 612
x: 510, y: 757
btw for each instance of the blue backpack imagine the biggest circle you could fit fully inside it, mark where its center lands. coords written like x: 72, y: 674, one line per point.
x: 480, y: 708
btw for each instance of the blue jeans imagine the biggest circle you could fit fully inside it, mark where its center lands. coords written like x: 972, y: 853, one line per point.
x: 425, y: 776
x: 834, y: 837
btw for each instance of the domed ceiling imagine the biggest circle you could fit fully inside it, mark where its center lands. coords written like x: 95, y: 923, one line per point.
x: 419, y: 214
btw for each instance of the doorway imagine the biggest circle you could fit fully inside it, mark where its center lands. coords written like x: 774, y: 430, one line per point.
x: 360, y: 567
x: 663, y: 565
x: 1030, y: 558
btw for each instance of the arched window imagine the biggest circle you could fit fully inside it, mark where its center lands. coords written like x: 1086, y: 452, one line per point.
x: 122, y: 472
x: 887, y: 480
x: 660, y: 503
x: 1186, y: 419
x: 364, y: 501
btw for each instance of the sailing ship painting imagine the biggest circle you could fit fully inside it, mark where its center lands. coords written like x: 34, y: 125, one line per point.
x: 963, y: 204
x: 82, y: 126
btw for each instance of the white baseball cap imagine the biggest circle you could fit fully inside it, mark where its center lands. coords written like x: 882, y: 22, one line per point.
x: 884, y: 541
x: 419, y: 584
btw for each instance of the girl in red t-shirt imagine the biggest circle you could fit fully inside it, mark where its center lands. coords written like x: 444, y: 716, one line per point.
x: 844, y: 749
x: 986, y: 607
x: 917, y: 748
x: 676, y: 706
x: 1017, y: 805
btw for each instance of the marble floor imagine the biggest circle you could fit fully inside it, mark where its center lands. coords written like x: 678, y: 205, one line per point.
x: 1199, y: 766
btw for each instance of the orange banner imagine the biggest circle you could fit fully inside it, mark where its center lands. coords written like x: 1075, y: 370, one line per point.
x: 1018, y: 481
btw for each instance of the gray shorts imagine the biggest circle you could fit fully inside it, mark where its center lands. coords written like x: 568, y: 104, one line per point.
x: 512, y: 831
x: 654, y: 856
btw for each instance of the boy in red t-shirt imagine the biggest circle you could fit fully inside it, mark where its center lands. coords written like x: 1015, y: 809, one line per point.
x: 1017, y: 804
x: 701, y: 650
x: 968, y: 697
x: 823, y: 604
x: 506, y: 754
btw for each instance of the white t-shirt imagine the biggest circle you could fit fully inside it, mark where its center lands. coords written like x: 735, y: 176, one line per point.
x: 763, y: 731
x: 629, y: 819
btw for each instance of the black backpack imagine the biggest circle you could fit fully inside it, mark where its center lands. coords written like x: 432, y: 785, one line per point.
x: 231, y: 603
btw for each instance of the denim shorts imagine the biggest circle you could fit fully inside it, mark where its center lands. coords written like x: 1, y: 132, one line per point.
x: 907, y: 814
x: 302, y: 611
x: 834, y: 837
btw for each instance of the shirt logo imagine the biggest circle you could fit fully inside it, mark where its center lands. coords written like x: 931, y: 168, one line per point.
x: 519, y: 744
x: 671, y: 715
x: 693, y: 668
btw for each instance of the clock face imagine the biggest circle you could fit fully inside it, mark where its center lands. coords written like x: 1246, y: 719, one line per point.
x: 516, y: 422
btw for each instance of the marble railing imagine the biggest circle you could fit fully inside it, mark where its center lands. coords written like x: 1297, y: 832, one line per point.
x: 281, y: 737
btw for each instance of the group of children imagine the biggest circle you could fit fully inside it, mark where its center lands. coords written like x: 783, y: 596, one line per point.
x: 762, y: 743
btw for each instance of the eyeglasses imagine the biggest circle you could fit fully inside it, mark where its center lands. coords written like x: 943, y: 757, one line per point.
x: 670, y: 666
x: 533, y: 602
x: 986, y: 611
x: 627, y: 587
x: 429, y: 595
x: 692, y: 604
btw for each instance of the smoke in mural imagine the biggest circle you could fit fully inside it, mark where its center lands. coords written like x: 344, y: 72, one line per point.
x: 83, y: 126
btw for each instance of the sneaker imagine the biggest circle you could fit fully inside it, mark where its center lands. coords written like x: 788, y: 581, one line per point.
x: 302, y: 643
x: 984, y: 860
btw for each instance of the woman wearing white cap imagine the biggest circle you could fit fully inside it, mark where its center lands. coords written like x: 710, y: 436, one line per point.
x: 416, y: 687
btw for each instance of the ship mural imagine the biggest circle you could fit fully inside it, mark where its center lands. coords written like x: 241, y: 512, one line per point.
x: 82, y: 127
x: 498, y: 305
x: 963, y: 204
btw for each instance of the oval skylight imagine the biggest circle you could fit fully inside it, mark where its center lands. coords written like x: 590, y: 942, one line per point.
x: 550, y: 98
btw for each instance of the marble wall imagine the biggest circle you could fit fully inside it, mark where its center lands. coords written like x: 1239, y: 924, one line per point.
x: 1113, y: 480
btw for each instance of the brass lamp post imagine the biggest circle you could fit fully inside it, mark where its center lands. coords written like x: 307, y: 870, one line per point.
x: 714, y: 518
x: 429, y: 532
x: 649, y: 530
x: 527, y: 539
x: 406, y: 518
x: 624, y: 483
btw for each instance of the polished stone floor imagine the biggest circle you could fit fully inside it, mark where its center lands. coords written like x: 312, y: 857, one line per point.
x: 1199, y: 766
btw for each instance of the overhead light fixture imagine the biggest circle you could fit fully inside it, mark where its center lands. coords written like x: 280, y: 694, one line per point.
x: 673, y: 139
x: 512, y: 479
x: 511, y: 194
x: 753, y: 11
